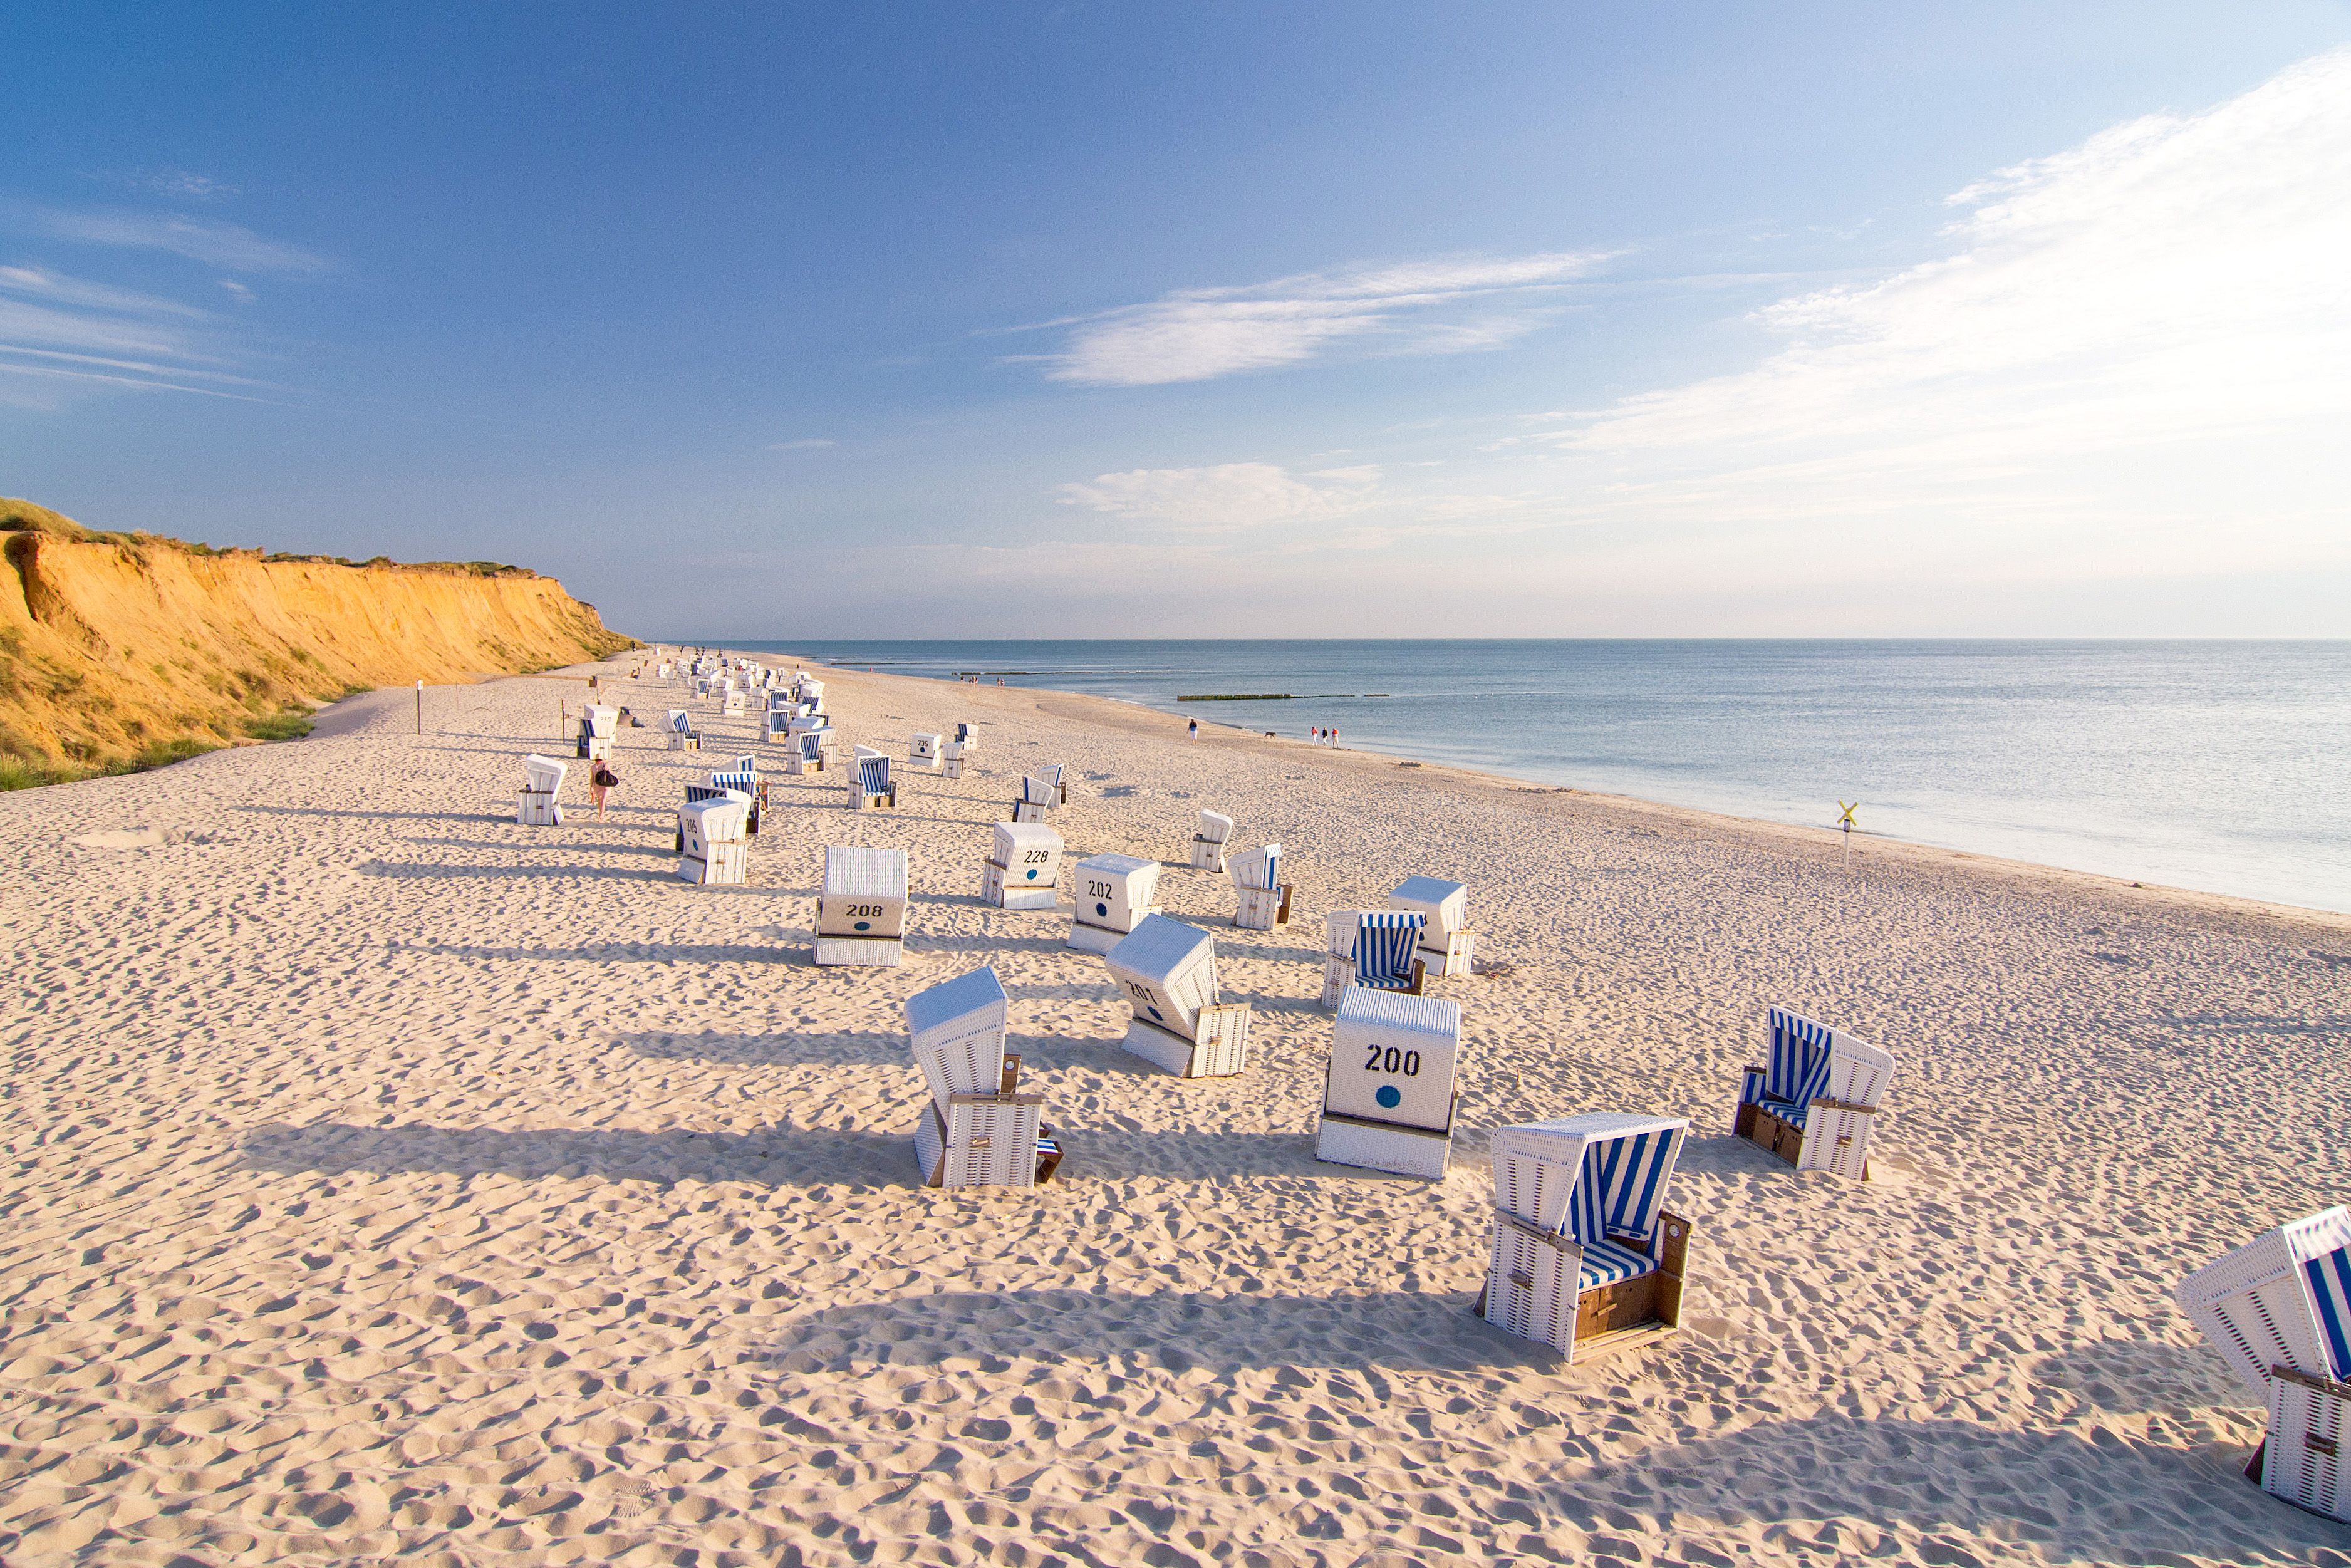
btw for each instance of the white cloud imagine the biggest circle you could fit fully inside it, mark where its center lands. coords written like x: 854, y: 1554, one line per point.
x: 228, y: 246
x: 811, y: 444
x: 1450, y: 306
x: 2134, y: 360
x: 1226, y: 495
x: 57, y: 333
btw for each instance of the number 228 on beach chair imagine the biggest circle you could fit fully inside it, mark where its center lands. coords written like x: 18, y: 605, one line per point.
x: 1024, y: 867
x: 2278, y: 1309
x: 1814, y: 1102
x: 1583, y: 1256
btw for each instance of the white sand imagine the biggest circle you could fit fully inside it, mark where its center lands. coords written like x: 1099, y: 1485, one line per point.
x: 384, y: 1179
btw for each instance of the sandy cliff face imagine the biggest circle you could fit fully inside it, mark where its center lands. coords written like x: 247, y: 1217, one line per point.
x: 116, y: 648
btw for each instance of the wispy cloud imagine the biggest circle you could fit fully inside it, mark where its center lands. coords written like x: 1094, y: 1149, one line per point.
x: 230, y: 246
x: 1449, y: 306
x: 58, y: 331
x: 809, y: 444
x: 179, y: 184
x: 1228, y: 496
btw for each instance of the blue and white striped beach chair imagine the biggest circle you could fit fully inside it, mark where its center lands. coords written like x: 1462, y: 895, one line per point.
x: 1038, y: 796
x: 1815, y: 1101
x: 2278, y: 1309
x: 1585, y: 1257
x: 808, y: 748
x: 745, y: 782
x: 870, y: 785
x: 1374, y: 948
x: 679, y: 726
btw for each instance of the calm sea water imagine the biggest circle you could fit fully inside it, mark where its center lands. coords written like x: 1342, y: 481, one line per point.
x: 2224, y: 766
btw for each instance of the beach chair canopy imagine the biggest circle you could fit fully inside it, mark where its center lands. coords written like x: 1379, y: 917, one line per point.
x: 1036, y: 791
x: 1386, y: 943
x: 958, y: 1030
x: 543, y: 773
x: 812, y: 744
x: 679, y: 722
x: 1257, y: 868
x: 746, y: 783
x: 747, y: 763
x: 1445, y: 904
x: 1167, y: 972
x: 1215, y: 828
x: 1807, y: 1062
x: 2284, y: 1299
x: 1598, y: 1179
x: 1053, y: 774
x: 963, y: 733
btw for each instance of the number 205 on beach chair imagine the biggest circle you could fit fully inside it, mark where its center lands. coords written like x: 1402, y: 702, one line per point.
x: 1024, y: 867
x: 2279, y: 1310
x: 1387, y: 1095
x: 1584, y: 1258
x: 1814, y: 1102
x: 712, y: 849
x: 1167, y: 972
x: 860, y: 908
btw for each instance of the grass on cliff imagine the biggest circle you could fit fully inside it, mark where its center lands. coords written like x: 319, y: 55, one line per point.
x: 18, y: 771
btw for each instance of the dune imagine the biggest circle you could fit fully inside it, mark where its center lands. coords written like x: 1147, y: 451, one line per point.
x: 387, y: 1181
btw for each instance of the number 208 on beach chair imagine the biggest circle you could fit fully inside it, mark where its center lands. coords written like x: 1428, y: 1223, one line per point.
x: 860, y: 907
x: 2279, y: 1310
x: 1814, y: 1102
x: 1585, y: 1257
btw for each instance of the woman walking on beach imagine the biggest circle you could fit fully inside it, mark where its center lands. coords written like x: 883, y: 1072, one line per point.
x: 1196, y: 729
x: 601, y: 778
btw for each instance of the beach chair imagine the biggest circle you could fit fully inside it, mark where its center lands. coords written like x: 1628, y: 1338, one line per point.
x: 1447, y: 943
x: 1209, y: 843
x: 968, y: 736
x: 1387, y: 1095
x: 710, y: 834
x: 951, y: 759
x: 923, y: 754
x: 542, y: 780
x: 860, y: 907
x: 1167, y: 972
x: 806, y: 753
x: 1054, y: 774
x: 747, y: 782
x: 1262, y: 901
x: 678, y: 727
x: 1024, y: 867
x: 976, y: 1129
x: 597, y: 725
x: 1037, y: 798
x: 868, y: 782
x: 1374, y: 948
x: 1114, y: 894
x: 1584, y: 1257
x: 1814, y: 1104
x: 737, y: 702
x: 776, y: 724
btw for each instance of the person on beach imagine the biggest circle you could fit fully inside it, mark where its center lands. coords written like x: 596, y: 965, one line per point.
x: 601, y: 778
x: 1196, y: 729
x: 1334, y: 739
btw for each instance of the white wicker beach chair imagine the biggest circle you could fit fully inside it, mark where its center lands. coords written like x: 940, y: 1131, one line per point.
x: 968, y: 736
x: 869, y: 781
x: 951, y: 759
x: 1167, y: 972
x: 1262, y: 898
x: 923, y: 754
x: 1375, y: 948
x: 542, y: 780
x: 1584, y: 1257
x: 1114, y: 894
x: 711, y: 845
x: 1447, y: 943
x: 597, y: 725
x: 747, y: 782
x: 977, y: 1129
x: 1815, y: 1103
x: 806, y: 751
x: 860, y: 907
x: 1055, y: 774
x: 679, y: 728
x: 1387, y: 1096
x: 737, y: 703
x: 776, y: 724
x: 1024, y: 867
x: 1208, y: 844
x: 1038, y: 796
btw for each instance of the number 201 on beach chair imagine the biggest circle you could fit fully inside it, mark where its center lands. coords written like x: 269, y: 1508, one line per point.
x: 1814, y: 1102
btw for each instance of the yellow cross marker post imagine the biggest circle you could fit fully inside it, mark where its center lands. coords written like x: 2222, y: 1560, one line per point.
x: 1845, y: 825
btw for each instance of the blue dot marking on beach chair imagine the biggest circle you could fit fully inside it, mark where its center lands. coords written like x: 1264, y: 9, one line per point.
x: 1389, y: 1097
x: 1032, y: 874
x: 1102, y: 909
x: 865, y: 926
x: 1154, y: 1013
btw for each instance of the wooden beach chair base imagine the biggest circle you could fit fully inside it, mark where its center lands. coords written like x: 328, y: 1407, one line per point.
x: 986, y: 1140
x: 1533, y: 1277
x: 1838, y: 1141
x: 684, y: 742
x: 1454, y: 959
x: 1208, y: 854
x: 1221, y: 1051
x: 994, y: 889
x: 728, y: 866
x: 1372, y: 1145
x: 1028, y: 812
x: 1088, y: 938
x: 1262, y: 908
x: 538, y: 809
x: 861, y: 952
x: 2301, y: 1460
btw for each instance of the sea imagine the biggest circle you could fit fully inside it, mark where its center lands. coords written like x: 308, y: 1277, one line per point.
x: 2223, y: 767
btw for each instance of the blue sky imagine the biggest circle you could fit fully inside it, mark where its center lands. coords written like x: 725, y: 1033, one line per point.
x: 1101, y: 321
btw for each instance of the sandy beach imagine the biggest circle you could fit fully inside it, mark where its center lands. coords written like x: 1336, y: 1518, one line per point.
x: 388, y: 1181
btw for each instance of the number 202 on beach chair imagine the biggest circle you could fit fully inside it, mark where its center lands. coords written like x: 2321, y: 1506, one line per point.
x: 1387, y: 1095
x: 1447, y: 943
x: 2279, y: 1310
x: 1585, y: 1257
x: 1209, y: 843
x: 1167, y: 972
x: 860, y: 907
x: 1114, y: 894
x: 1375, y: 948
x: 1024, y: 867
x: 542, y: 780
x: 1814, y: 1102
x: 1262, y: 898
x: 976, y: 1129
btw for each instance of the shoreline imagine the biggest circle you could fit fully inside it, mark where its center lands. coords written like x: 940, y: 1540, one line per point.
x: 1865, y: 841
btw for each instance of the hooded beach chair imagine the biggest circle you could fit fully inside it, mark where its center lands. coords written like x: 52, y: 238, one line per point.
x: 1584, y: 1257
x: 542, y: 780
x: 776, y: 724
x: 747, y: 782
x: 1167, y: 972
x: 977, y: 1129
x: 869, y: 781
x: 1055, y: 774
x: 967, y: 736
x: 679, y: 728
x: 1375, y: 948
x: 1024, y: 867
x: 1262, y: 900
x: 1114, y: 894
x: 860, y: 907
x: 807, y: 750
x: 1447, y: 943
x: 1037, y: 798
x: 923, y: 754
x: 1387, y: 1094
x: 597, y: 725
x: 738, y: 700
x: 711, y: 847
x: 951, y: 759
x: 1814, y: 1102
x: 1209, y: 843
